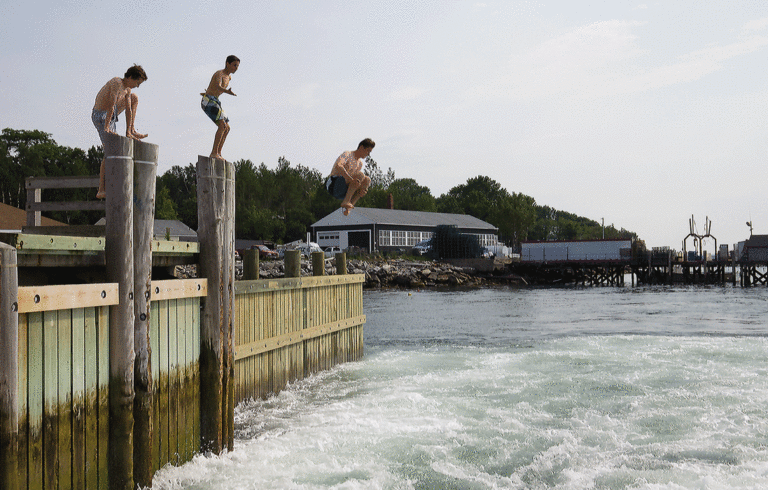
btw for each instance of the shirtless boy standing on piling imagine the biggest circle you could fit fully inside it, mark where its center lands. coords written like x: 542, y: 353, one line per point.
x: 212, y: 106
x: 114, y: 98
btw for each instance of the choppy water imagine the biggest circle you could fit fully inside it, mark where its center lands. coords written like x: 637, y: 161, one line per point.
x: 604, y: 388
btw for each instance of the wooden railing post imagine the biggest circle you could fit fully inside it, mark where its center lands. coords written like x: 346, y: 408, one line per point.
x: 292, y: 264
x: 34, y: 196
x: 9, y: 368
x: 341, y: 263
x: 144, y: 175
x: 118, y: 249
x: 211, y: 202
x: 250, y: 264
x: 318, y: 263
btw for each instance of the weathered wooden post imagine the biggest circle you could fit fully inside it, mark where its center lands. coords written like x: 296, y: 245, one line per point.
x: 669, y: 267
x: 144, y: 174
x: 292, y: 260
x: 318, y: 263
x: 228, y: 430
x: 9, y: 368
x: 211, y: 202
x: 34, y: 196
x: 341, y: 263
x: 118, y: 249
x: 250, y: 264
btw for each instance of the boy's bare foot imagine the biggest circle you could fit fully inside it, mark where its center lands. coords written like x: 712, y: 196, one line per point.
x: 347, y: 205
x: 101, y: 195
x: 138, y: 135
x: 216, y: 156
x: 346, y: 212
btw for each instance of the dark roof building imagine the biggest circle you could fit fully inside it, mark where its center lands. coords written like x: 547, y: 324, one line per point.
x: 170, y: 228
x: 390, y: 229
x: 755, y: 249
x: 13, y: 220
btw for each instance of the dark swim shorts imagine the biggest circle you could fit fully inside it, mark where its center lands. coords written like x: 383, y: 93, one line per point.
x: 337, y: 186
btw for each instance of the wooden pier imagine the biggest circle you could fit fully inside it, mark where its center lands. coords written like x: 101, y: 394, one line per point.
x: 108, y: 373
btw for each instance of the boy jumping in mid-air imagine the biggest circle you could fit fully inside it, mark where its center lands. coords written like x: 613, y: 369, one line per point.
x: 347, y: 180
x: 114, y: 98
x: 212, y: 106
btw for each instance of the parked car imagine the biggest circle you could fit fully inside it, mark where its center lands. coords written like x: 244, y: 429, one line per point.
x: 266, y: 253
x: 331, y: 251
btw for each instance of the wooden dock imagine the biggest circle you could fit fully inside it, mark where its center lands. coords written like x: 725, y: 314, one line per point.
x: 108, y: 373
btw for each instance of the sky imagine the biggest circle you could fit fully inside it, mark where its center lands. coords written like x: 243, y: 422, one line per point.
x: 639, y: 114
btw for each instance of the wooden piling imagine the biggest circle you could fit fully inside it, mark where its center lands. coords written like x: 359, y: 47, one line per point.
x: 211, y: 202
x: 250, y: 264
x: 292, y: 260
x: 318, y: 263
x: 341, y: 263
x: 9, y: 358
x: 228, y: 429
x: 118, y: 151
x: 145, y: 157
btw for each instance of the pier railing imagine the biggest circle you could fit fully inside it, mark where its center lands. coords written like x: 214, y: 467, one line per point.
x: 35, y: 204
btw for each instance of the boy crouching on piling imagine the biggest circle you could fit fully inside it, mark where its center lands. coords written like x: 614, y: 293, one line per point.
x: 113, y: 98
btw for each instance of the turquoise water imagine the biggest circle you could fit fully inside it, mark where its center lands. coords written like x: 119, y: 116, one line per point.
x: 604, y: 388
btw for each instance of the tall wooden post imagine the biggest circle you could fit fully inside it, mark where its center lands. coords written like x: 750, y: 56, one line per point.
x: 292, y: 259
x: 144, y: 175
x: 211, y: 201
x: 118, y: 151
x: 318, y: 264
x: 250, y: 264
x: 228, y: 430
x: 9, y: 368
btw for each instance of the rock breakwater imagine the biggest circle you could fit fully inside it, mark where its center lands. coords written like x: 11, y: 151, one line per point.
x: 379, y: 273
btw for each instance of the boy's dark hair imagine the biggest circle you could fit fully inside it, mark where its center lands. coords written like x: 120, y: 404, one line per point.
x: 231, y: 58
x: 366, y: 143
x: 136, y: 72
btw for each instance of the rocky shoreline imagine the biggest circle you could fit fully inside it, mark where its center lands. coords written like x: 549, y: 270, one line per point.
x: 383, y: 273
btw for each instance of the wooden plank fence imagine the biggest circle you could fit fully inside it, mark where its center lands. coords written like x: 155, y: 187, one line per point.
x: 286, y: 329
x: 63, y: 387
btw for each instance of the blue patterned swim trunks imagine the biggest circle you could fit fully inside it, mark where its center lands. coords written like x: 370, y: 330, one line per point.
x: 99, y: 119
x: 212, y: 108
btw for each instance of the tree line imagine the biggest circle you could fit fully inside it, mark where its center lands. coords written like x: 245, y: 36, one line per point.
x: 281, y: 204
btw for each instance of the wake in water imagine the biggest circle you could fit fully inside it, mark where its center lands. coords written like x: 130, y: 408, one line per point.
x: 482, y: 408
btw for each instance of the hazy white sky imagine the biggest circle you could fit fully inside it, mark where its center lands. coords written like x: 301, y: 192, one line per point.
x: 640, y: 113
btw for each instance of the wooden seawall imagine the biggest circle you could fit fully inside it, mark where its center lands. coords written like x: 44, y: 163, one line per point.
x: 101, y: 384
x: 290, y: 328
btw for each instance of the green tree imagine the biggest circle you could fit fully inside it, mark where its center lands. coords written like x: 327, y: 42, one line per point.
x: 181, y: 183
x: 409, y: 195
x: 165, y: 208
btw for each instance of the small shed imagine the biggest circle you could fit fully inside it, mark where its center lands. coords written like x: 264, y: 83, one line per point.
x: 755, y: 249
